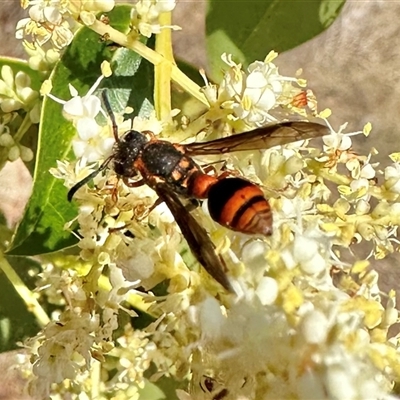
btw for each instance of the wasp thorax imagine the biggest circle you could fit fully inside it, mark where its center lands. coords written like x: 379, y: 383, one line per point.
x: 126, y: 151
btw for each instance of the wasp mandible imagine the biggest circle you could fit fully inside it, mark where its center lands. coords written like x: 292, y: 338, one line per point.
x: 169, y: 169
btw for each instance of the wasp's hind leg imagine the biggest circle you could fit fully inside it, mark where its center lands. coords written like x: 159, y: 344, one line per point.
x: 192, y: 204
x: 133, y: 184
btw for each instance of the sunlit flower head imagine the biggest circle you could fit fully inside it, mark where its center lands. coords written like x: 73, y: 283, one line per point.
x: 252, y: 95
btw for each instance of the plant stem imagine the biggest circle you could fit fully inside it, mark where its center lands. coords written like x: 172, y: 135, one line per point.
x: 95, y: 375
x: 162, y: 71
x: 25, y: 294
x: 23, y: 128
x: 150, y: 55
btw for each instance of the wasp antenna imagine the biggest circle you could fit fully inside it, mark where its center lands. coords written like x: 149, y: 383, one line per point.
x: 111, y: 115
x: 84, y: 181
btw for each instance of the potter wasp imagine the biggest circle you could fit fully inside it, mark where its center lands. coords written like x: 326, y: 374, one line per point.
x: 169, y: 169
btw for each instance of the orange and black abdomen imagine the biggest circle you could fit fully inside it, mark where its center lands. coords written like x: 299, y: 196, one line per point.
x: 240, y: 205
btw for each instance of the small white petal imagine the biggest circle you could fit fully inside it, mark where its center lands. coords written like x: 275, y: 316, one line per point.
x: 253, y: 254
x: 92, y: 105
x: 87, y: 18
x: 393, y: 171
x: 368, y: 172
x: 106, y: 145
x: 6, y: 140
x: 359, y: 184
x: 256, y: 80
x: 78, y: 146
x: 72, y: 90
x: 7, y: 75
x: 340, y: 384
x: 36, y: 13
x: 87, y: 128
x: 314, y: 327
x: 362, y: 207
x: 52, y: 15
x: 27, y: 95
x: 210, y: 317
x: 267, y: 100
x: 288, y: 259
x: 19, y: 28
x: 62, y: 37
x: 26, y: 154
x: 22, y: 80
x: 14, y: 153
x: 9, y: 105
x: 140, y: 266
x: 165, y: 5
x: 314, y: 265
x: 5, y: 89
x: 304, y: 248
x: 267, y: 290
x: 345, y: 143
x: 74, y: 107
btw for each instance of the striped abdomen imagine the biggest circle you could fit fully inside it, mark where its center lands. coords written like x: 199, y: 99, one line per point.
x: 240, y: 205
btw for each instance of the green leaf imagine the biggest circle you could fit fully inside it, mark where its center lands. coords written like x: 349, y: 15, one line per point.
x: 16, y: 321
x: 42, y: 228
x: 329, y: 10
x: 164, y: 388
x: 250, y: 30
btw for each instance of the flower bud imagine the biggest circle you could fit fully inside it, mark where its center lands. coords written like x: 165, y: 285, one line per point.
x: 14, y: 153
x: 6, y: 140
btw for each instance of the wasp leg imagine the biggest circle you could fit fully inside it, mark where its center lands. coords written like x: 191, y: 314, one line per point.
x: 127, y: 233
x: 150, y: 134
x: 224, y: 171
x: 228, y: 173
x: 209, y: 168
x: 133, y: 184
x: 155, y: 204
x: 192, y: 205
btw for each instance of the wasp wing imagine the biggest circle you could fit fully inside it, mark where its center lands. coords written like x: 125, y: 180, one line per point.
x: 260, y: 138
x: 198, y: 240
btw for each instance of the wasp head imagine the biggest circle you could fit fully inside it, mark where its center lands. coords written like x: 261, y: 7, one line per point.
x: 126, y: 151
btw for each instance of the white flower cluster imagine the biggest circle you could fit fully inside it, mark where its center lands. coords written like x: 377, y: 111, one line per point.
x: 145, y: 16
x: 16, y: 98
x: 65, y: 348
x: 303, y: 323
x: 255, y: 95
x: 51, y: 25
x: 254, y: 351
x: 91, y: 145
